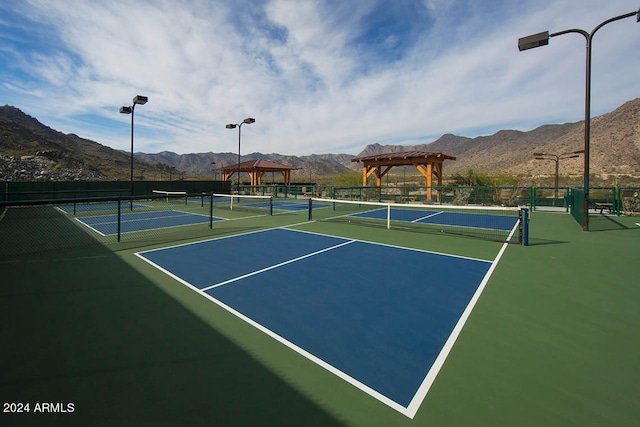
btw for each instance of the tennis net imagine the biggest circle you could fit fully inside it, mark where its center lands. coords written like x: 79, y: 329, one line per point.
x: 257, y: 204
x: 503, y: 224
x: 173, y: 196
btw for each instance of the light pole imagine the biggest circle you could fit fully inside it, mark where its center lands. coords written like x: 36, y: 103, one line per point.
x: 542, y: 39
x: 556, y: 158
x: 140, y: 100
x: 247, y: 121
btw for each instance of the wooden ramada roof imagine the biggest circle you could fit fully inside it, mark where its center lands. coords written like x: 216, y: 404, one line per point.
x: 405, y: 155
x: 257, y: 164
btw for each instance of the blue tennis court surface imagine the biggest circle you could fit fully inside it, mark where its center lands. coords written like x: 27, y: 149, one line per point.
x: 381, y: 317
x: 290, y: 206
x: 461, y: 219
x: 139, y: 221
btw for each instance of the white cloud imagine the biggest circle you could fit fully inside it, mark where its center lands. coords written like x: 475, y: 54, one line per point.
x: 300, y: 68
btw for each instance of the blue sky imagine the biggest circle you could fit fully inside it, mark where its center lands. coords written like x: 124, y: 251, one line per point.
x: 318, y: 76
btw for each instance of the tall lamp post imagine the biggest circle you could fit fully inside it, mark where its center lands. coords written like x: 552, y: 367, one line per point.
x: 542, y: 39
x: 556, y: 158
x: 137, y: 100
x: 247, y: 121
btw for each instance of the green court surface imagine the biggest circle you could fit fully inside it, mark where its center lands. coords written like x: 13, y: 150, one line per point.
x: 552, y: 340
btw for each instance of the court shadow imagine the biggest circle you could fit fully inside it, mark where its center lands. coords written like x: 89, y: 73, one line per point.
x: 29, y: 231
x: 542, y: 242
x: 89, y: 331
x: 609, y: 223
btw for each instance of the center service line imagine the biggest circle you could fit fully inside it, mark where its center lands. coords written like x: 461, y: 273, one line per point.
x: 275, y: 266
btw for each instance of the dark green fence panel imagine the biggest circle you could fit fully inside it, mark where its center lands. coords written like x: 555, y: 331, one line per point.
x: 52, y: 190
x: 577, y: 205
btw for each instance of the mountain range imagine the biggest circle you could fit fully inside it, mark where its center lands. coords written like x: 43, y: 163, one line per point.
x: 614, y: 146
x: 615, y: 150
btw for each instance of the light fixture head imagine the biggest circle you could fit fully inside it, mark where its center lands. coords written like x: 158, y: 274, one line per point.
x: 125, y: 110
x: 230, y: 126
x: 140, y: 100
x: 249, y: 120
x: 534, y: 40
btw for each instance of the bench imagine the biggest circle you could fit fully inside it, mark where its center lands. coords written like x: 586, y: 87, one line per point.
x: 602, y: 206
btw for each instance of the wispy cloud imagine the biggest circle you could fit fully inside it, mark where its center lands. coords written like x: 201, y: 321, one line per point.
x: 318, y: 76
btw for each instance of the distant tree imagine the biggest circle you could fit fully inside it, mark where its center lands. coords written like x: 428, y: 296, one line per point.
x: 482, y: 179
x: 348, y: 178
x: 471, y: 178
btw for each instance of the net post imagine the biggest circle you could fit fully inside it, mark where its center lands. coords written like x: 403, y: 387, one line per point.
x: 389, y: 217
x: 525, y: 227
x: 270, y: 206
x: 210, y: 211
x: 119, y: 217
x: 310, y: 215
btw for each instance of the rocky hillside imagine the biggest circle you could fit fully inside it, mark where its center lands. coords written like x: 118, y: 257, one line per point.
x: 32, y: 150
x: 615, y: 147
x: 207, y: 163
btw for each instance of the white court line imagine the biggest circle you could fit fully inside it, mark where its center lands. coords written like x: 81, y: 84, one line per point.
x: 428, y: 216
x: 80, y: 220
x: 381, y: 244
x: 182, y: 214
x: 276, y: 266
x: 332, y: 369
x: 446, y: 349
x: 91, y: 228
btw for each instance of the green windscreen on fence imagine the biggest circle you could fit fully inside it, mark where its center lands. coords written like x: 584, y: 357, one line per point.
x: 577, y: 205
x: 17, y: 191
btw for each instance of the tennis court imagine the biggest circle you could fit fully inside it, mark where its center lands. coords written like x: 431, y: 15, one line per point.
x: 494, y: 223
x: 164, y: 210
x: 397, y: 327
x: 107, y: 225
x: 439, y: 217
x: 279, y: 205
x: 281, y: 320
x: 290, y: 206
